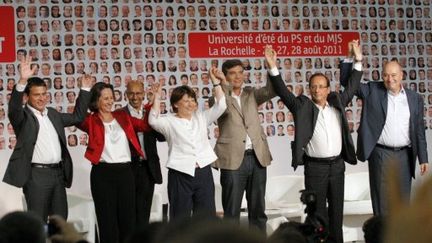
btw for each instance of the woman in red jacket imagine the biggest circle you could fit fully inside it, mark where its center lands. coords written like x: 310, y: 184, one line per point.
x: 112, y: 141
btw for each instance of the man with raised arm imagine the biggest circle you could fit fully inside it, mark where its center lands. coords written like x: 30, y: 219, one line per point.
x: 41, y: 163
x: 322, y: 139
x: 242, y: 149
x: 391, y: 130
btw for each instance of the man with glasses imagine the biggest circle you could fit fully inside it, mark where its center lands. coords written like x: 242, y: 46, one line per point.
x: 146, y: 169
x: 322, y: 137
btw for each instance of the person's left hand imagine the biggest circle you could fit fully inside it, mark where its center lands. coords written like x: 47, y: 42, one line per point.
x: 270, y: 56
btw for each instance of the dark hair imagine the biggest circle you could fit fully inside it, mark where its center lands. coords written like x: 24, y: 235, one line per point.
x: 22, y: 227
x: 34, y: 82
x: 288, y: 232
x: 178, y: 93
x: 319, y: 75
x: 95, y: 93
x: 373, y: 229
x: 228, y: 64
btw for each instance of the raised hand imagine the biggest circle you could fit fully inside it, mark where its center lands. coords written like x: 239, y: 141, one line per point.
x: 25, y: 69
x: 270, y: 56
x: 216, y: 76
x: 86, y: 81
x: 355, y: 50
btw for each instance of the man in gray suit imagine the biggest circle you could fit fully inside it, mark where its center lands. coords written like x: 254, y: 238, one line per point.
x: 391, y: 129
x: 40, y: 162
x: 242, y: 149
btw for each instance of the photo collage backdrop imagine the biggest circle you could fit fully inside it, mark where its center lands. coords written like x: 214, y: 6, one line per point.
x: 120, y: 41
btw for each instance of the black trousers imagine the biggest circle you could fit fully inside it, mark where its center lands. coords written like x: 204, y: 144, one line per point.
x: 379, y: 163
x: 144, y: 189
x: 113, y: 191
x: 191, y: 194
x: 326, y: 179
x: 45, y: 192
x: 252, y: 177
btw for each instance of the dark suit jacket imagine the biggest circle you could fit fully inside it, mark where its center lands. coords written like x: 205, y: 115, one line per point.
x: 374, y: 113
x: 305, y: 115
x: 26, y: 128
x: 150, y: 149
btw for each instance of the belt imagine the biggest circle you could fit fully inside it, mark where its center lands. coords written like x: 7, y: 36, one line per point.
x: 326, y: 159
x: 392, y: 148
x: 46, y: 166
x: 249, y: 152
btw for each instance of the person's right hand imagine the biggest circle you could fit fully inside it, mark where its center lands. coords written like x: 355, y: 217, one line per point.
x: 216, y: 76
x: 355, y: 50
x: 86, y: 81
x: 25, y: 69
x: 270, y: 56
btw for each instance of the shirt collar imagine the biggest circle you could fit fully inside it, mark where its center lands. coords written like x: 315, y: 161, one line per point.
x: 36, y: 112
x: 401, y: 92
x: 140, y: 111
x: 320, y: 107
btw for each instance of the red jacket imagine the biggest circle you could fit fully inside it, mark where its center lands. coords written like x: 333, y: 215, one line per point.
x: 93, y: 125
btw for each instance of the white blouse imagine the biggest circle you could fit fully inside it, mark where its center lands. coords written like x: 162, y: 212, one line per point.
x: 188, y: 139
x: 116, y: 146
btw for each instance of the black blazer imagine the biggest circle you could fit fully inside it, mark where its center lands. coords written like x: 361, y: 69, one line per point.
x: 26, y: 128
x: 374, y: 113
x: 150, y: 149
x: 305, y: 115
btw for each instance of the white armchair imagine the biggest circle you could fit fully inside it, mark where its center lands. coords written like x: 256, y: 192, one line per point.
x: 283, y: 196
x: 357, y: 205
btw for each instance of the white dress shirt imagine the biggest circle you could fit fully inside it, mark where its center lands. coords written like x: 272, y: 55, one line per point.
x: 116, y: 145
x: 326, y: 140
x: 188, y: 139
x: 47, y: 149
x: 138, y: 114
x: 248, y: 144
x: 396, y: 128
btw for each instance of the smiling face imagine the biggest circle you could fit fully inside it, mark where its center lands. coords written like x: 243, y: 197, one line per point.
x: 37, y: 97
x: 235, y: 76
x: 392, y: 76
x: 105, y: 101
x: 185, y: 106
x: 135, y: 94
x: 319, y: 89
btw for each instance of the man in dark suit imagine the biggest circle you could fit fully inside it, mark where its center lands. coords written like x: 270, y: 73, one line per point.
x: 322, y: 138
x: 391, y: 129
x: 40, y: 162
x: 147, y: 170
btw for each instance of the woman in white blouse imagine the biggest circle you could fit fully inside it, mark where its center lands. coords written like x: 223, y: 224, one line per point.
x: 190, y: 179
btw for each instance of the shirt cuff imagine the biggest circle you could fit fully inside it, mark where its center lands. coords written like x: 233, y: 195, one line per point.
x: 358, y: 66
x: 20, y: 87
x: 274, y: 71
